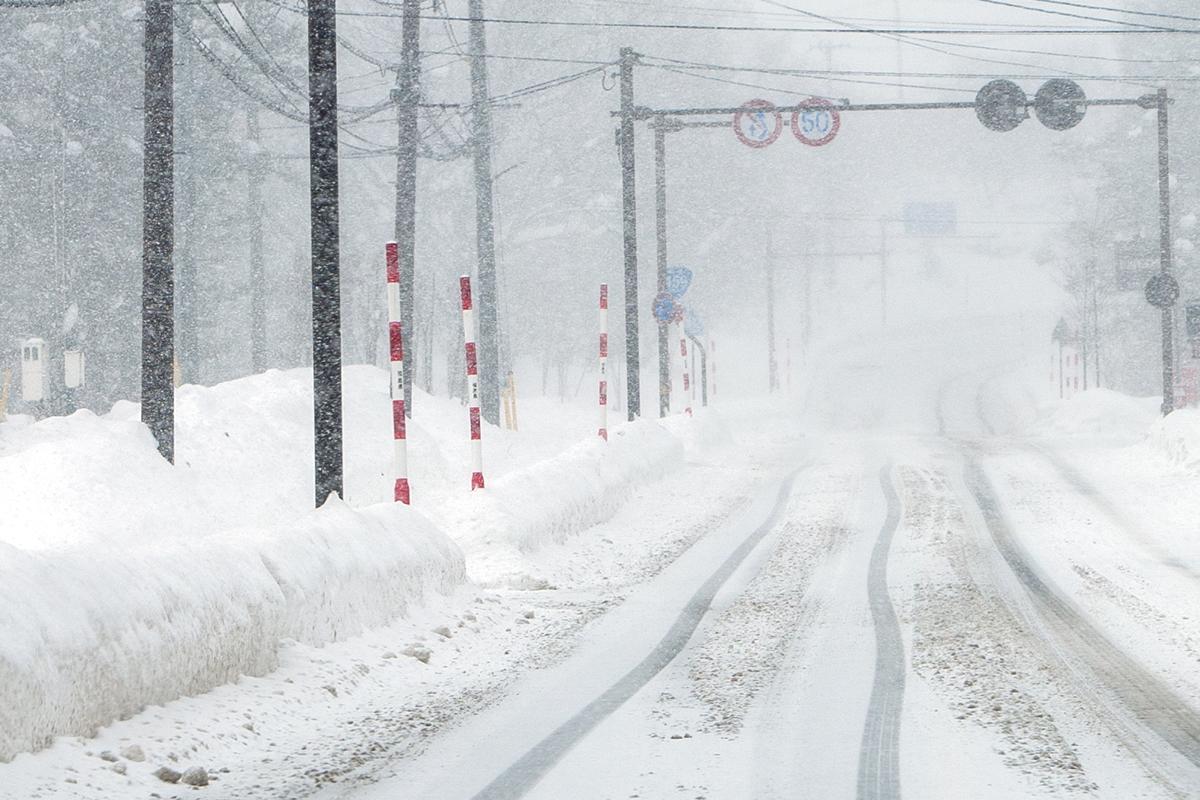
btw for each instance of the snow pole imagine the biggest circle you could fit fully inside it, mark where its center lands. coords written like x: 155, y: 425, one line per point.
x: 712, y: 367
x: 468, y: 315
x: 788, y: 363
x: 604, y: 361
x: 396, y: 350
x: 692, y: 371
x: 687, y: 384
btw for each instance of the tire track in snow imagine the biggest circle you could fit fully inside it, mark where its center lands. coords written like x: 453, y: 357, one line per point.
x: 1150, y: 701
x: 879, y: 755
x: 530, y: 768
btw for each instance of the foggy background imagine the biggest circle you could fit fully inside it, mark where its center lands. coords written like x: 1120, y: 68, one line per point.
x: 1038, y: 212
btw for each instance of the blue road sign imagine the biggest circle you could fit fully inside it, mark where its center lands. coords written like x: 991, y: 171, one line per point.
x: 678, y: 281
x: 930, y: 219
x: 692, y: 326
x: 664, y: 307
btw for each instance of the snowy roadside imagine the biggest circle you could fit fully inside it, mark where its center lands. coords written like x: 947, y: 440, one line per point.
x: 127, y: 582
x: 1105, y: 500
x: 342, y: 711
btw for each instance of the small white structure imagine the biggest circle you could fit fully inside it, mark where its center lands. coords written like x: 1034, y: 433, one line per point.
x: 33, y: 370
x: 73, y: 368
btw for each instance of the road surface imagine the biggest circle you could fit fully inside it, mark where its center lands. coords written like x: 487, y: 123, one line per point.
x: 903, y: 609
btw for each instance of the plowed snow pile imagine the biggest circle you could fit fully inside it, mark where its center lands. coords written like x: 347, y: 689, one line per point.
x: 125, y: 581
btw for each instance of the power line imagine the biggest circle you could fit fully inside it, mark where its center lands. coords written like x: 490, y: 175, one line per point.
x: 1157, y: 14
x: 911, y: 43
x: 1051, y: 54
x: 1014, y: 30
x: 683, y: 70
x: 834, y: 73
x: 862, y: 30
x: 1137, y: 25
x: 40, y: 3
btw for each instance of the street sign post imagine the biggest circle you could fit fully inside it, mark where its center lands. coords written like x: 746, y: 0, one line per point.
x: 1000, y: 105
x: 816, y: 122
x: 758, y: 123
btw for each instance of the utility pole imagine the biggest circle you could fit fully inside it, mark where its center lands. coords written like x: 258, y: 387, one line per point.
x: 629, y: 218
x: 158, y: 228
x: 1165, y: 256
x: 254, y: 181
x: 883, y: 271
x: 186, y: 334
x: 407, y: 95
x: 772, y: 368
x: 326, y: 279
x: 660, y: 194
x: 485, y: 236
x: 806, y: 323
x: 1096, y: 323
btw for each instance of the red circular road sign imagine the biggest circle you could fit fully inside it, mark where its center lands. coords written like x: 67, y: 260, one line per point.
x: 816, y: 122
x: 757, y: 123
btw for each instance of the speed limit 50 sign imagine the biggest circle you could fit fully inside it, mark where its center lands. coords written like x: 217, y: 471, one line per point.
x: 816, y: 122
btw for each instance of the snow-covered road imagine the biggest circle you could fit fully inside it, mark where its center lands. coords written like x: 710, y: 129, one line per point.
x: 895, y: 626
x: 885, y: 589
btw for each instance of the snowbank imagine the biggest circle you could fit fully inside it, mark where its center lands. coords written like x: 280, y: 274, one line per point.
x: 93, y: 634
x: 1099, y: 413
x: 125, y: 581
x: 558, y: 497
x: 1176, y: 437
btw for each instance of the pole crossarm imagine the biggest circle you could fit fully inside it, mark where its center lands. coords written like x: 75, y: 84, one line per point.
x: 1148, y: 102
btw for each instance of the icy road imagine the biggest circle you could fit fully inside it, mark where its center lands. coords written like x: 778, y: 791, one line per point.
x: 914, y: 603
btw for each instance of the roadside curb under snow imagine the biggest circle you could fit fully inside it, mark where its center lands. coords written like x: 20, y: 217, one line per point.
x: 561, y: 496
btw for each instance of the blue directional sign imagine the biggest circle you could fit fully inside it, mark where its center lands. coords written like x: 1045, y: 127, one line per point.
x: 692, y: 325
x: 678, y: 281
x: 930, y: 219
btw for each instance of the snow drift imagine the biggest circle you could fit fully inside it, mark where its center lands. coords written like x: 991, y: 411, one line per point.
x: 93, y: 634
x: 125, y: 581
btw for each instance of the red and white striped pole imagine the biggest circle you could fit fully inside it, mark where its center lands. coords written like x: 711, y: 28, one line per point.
x: 604, y: 361
x: 468, y: 314
x: 396, y: 347
x: 687, y: 384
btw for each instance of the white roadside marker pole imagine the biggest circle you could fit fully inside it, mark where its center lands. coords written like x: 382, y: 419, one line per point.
x: 468, y: 314
x: 604, y: 361
x: 396, y: 349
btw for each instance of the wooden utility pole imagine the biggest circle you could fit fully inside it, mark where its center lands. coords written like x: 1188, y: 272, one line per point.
x: 485, y: 236
x: 407, y: 95
x: 326, y: 277
x: 158, y: 228
x: 255, y: 175
x: 629, y: 226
